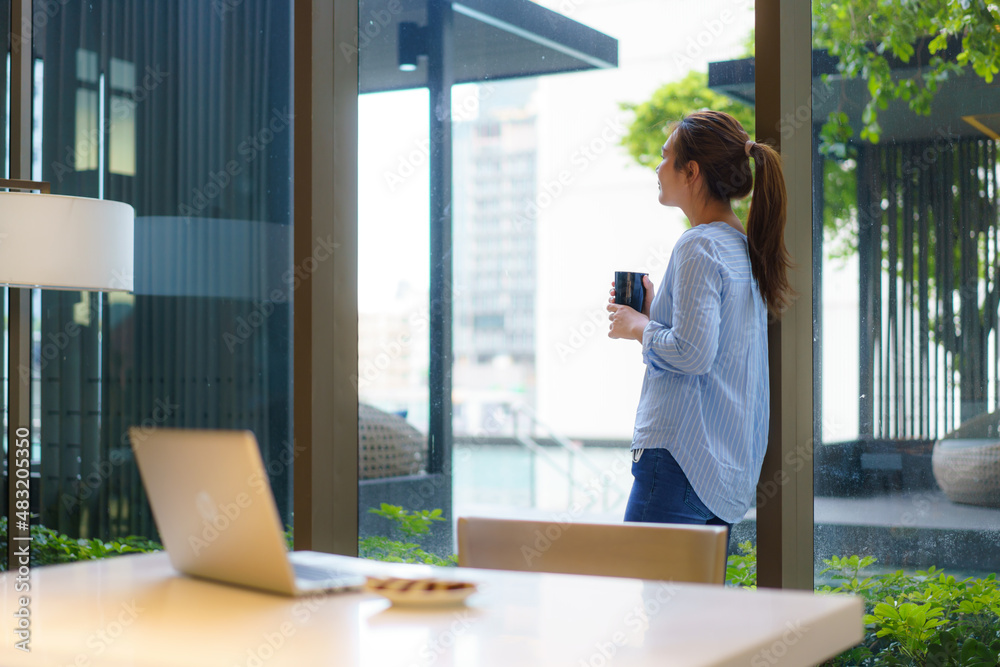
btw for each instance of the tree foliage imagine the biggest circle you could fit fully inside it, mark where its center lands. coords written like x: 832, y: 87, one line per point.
x: 670, y: 103
x: 865, y: 35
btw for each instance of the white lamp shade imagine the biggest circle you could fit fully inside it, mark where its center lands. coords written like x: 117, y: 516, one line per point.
x: 58, y: 242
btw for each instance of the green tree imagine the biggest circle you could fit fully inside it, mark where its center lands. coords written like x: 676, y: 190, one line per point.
x: 652, y: 119
x: 866, y: 34
x: 669, y: 103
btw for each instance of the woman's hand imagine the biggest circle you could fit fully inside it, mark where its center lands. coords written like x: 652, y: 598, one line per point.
x: 625, y: 321
x: 648, y: 301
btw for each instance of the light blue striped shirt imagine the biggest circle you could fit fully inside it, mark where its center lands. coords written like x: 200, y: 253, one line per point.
x: 705, y: 391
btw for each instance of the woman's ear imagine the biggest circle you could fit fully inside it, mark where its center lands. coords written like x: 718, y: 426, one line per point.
x: 692, y: 171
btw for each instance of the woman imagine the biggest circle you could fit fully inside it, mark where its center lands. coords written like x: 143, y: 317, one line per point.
x: 701, y: 425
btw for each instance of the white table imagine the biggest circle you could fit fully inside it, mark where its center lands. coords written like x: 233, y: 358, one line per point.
x: 136, y: 610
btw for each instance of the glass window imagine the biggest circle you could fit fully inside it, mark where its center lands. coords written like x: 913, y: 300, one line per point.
x: 542, y: 202
x: 907, y: 461
x: 184, y: 113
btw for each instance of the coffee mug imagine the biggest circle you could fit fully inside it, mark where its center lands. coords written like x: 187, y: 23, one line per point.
x: 629, y: 290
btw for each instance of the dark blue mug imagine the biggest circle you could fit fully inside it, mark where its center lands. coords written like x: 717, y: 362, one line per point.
x: 629, y: 290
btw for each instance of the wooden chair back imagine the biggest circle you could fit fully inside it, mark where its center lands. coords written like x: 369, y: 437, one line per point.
x: 669, y: 552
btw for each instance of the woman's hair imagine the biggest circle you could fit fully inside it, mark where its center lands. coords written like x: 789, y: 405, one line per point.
x: 718, y: 143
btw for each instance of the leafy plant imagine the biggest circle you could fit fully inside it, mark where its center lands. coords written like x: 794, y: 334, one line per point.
x: 741, y: 569
x: 910, y: 625
x: 394, y: 551
x: 49, y: 547
x: 411, y: 525
x: 922, y: 619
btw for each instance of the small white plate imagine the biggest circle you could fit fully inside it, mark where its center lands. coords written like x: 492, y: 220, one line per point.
x: 420, y: 592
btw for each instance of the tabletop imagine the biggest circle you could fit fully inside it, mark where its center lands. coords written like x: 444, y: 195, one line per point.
x: 136, y: 610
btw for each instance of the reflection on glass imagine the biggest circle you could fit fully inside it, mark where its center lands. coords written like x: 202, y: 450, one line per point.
x: 907, y: 472
x: 198, y: 140
x: 121, y: 129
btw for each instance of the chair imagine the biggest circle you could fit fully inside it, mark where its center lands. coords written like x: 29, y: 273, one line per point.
x: 673, y: 552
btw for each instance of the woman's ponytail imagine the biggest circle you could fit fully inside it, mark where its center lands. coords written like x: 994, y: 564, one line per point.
x: 769, y: 260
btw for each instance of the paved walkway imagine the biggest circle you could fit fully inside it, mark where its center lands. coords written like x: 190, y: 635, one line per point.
x: 919, y: 509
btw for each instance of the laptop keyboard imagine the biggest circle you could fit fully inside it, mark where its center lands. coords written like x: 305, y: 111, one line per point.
x: 314, y: 574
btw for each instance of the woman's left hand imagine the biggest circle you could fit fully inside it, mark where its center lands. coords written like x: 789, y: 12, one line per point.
x: 626, y: 322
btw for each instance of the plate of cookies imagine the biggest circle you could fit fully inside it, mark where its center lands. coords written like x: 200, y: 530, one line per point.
x: 420, y: 592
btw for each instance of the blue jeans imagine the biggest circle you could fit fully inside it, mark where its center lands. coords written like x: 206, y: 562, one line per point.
x: 661, y: 493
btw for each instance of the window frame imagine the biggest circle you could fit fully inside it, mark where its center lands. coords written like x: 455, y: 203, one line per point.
x: 325, y: 313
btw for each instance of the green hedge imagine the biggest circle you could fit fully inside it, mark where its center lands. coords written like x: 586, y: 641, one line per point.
x: 922, y: 619
x: 49, y: 547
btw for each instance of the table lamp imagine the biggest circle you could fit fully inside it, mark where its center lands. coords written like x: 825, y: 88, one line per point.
x: 51, y: 242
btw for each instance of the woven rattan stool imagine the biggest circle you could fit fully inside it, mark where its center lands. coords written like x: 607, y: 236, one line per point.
x: 390, y: 446
x: 968, y: 471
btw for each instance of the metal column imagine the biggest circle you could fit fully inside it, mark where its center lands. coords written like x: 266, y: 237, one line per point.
x: 440, y: 79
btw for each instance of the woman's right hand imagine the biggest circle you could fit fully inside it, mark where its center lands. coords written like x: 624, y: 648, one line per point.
x: 648, y: 301
x: 626, y: 322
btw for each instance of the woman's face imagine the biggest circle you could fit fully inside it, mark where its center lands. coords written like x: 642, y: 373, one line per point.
x: 673, y: 186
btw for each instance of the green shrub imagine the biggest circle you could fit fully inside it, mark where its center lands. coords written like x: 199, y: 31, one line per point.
x: 411, y: 525
x: 741, y: 569
x: 925, y: 619
x: 49, y: 547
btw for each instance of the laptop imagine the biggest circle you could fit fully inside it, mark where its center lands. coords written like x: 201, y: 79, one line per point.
x: 212, y: 503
